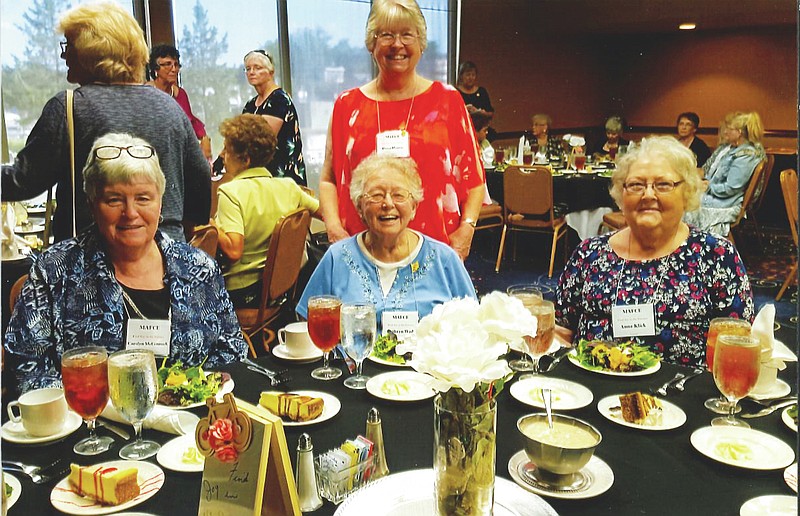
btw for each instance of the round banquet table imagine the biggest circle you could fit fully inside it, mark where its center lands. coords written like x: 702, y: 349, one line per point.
x: 655, y: 472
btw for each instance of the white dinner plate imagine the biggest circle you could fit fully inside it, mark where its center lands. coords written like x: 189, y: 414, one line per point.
x: 788, y: 420
x: 770, y: 505
x: 16, y: 489
x: 669, y: 417
x: 171, y: 455
x: 391, y: 496
x: 36, y: 228
x: 573, y: 357
x: 150, y: 479
x: 566, y: 395
x: 790, y: 476
x: 381, y: 361
x: 331, y: 407
x: 742, y: 447
x: 224, y: 388
x: 600, y: 473
x: 401, y: 386
x: 778, y: 389
x: 15, y: 432
x: 282, y: 352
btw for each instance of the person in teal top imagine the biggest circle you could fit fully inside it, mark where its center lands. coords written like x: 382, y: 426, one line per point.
x: 389, y: 265
x: 250, y: 203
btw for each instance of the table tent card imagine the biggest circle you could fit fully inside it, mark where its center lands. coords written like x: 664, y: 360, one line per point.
x: 247, y: 470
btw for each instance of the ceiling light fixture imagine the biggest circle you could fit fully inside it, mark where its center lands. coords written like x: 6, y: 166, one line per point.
x: 687, y: 26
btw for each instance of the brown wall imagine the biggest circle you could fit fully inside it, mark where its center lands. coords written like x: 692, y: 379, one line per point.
x: 648, y: 79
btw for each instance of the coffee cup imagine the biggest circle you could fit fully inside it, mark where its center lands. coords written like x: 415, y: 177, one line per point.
x: 294, y: 337
x: 42, y: 412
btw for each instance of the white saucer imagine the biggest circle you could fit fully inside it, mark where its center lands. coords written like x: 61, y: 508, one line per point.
x: 16, y: 488
x: 779, y: 388
x: 171, y: 455
x: 602, y: 478
x: 281, y: 352
x: 15, y: 432
x: 787, y: 419
x: 566, y: 395
x: 773, y: 505
x: 790, y: 476
x: 742, y: 447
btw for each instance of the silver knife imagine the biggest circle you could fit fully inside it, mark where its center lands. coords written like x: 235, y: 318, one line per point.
x: 114, y: 428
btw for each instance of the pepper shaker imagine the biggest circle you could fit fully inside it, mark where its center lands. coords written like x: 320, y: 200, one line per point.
x: 305, y: 476
x: 375, y: 434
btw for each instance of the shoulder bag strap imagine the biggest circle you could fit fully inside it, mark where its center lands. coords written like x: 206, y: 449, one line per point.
x: 71, y: 131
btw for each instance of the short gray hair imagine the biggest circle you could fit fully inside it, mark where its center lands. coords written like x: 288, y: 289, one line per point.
x: 263, y: 57
x: 385, y: 13
x: 376, y: 165
x: 614, y: 125
x: 681, y: 160
x: 99, y: 173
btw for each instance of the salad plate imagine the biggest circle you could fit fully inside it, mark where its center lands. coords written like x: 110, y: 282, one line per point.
x: 401, y: 386
x: 566, y: 395
x: 16, y: 433
x: 786, y: 417
x: 770, y: 504
x: 16, y: 489
x: 150, y: 479
x: 383, y: 361
x: 280, y: 351
x: 671, y: 416
x: 180, y: 454
x: 573, y: 357
x: 331, y: 408
x: 790, y: 477
x: 195, y: 389
x: 742, y: 447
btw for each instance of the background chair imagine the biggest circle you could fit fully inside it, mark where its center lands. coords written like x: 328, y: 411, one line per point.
x: 789, y: 189
x: 16, y: 288
x: 279, y: 278
x: 613, y: 221
x: 528, y: 207
x: 758, y: 196
x: 206, y: 238
x: 755, y: 181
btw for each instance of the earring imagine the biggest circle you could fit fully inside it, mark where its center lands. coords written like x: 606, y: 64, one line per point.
x: 160, y: 219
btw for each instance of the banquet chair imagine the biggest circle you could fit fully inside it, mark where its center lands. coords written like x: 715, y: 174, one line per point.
x: 749, y: 194
x: 205, y: 238
x: 613, y: 221
x: 491, y: 216
x: 279, y: 278
x: 758, y: 196
x: 528, y: 207
x: 789, y: 189
x: 16, y: 289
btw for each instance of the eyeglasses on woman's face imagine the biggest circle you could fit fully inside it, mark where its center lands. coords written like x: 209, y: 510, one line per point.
x: 388, y: 38
x: 113, y: 152
x: 661, y: 187
x: 64, y: 46
x: 377, y: 196
x: 169, y: 64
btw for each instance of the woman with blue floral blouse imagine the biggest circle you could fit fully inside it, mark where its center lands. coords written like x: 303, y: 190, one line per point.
x: 658, y: 281
x: 100, y: 287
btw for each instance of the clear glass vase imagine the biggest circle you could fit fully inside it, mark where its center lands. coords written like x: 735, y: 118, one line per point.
x: 464, y: 449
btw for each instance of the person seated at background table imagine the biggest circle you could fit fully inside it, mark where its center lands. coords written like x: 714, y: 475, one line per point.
x: 95, y: 288
x: 688, y: 123
x: 250, y: 203
x: 480, y: 123
x: 727, y: 173
x: 541, y: 139
x: 164, y: 66
x: 677, y: 276
x: 388, y: 265
x: 615, y: 126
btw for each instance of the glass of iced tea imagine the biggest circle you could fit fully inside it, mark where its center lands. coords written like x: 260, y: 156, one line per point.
x: 580, y: 161
x: 722, y: 326
x: 545, y: 313
x: 737, y: 363
x: 530, y: 296
x: 84, y: 372
x: 324, y: 329
x: 500, y: 155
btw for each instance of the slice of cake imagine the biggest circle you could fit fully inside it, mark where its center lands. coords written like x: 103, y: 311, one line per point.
x: 109, y: 486
x: 293, y: 406
x: 636, y: 406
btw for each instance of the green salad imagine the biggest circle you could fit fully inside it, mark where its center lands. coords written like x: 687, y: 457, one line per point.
x: 623, y: 357
x: 792, y: 413
x: 182, y: 386
x: 384, y: 349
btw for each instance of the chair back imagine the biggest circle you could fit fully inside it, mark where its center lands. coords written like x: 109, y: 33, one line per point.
x: 284, y: 257
x: 16, y: 288
x: 789, y: 189
x: 761, y: 186
x: 528, y: 191
x: 755, y: 180
x: 206, y: 239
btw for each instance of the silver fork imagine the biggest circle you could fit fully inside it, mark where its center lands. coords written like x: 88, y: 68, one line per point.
x: 662, y: 391
x: 276, y: 377
x: 681, y: 384
x: 34, y: 472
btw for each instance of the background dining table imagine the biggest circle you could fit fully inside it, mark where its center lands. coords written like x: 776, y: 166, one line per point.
x: 655, y: 472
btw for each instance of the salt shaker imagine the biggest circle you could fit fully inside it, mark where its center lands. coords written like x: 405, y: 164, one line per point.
x: 305, y: 478
x: 375, y: 434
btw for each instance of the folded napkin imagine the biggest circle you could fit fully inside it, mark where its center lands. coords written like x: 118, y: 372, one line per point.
x: 521, y: 149
x: 163, y: 419
x: 10, y: 242
x: 773, y: 352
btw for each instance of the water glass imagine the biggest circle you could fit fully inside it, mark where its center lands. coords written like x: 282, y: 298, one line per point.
x: 133, y: 385
x: 358, y: 336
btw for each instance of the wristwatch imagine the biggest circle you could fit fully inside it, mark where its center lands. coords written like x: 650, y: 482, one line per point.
x: 471, y: 222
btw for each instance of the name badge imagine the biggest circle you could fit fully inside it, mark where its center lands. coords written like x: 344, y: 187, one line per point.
x: 393, y: 143
x: 633, y: 320
x: 152, y: 334
x: 401, y: 323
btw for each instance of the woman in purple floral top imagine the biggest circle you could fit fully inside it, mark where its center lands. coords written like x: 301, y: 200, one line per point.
x: 658, y: 281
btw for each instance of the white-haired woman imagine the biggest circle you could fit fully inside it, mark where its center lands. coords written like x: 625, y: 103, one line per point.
x: 95, y: 288
x: 274, y: 104
x: 388, y: 265
x: 400, y: 113
x: 674, y: 277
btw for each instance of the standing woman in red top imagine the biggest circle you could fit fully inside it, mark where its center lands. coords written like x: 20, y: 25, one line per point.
x: 401, y: 114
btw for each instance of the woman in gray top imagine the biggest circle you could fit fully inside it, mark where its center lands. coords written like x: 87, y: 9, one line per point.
x: 106, y: 54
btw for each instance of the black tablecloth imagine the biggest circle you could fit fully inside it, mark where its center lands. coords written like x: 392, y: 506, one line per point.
x: 576, y: 192
x: 655, y: 472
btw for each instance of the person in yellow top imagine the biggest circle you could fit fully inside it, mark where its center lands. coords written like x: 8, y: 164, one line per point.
x: 250, y: 203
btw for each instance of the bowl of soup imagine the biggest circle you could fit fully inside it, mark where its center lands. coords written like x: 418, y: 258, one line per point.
x: 562, y: 450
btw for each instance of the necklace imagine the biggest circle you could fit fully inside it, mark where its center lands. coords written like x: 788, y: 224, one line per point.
x: 408, y: 118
